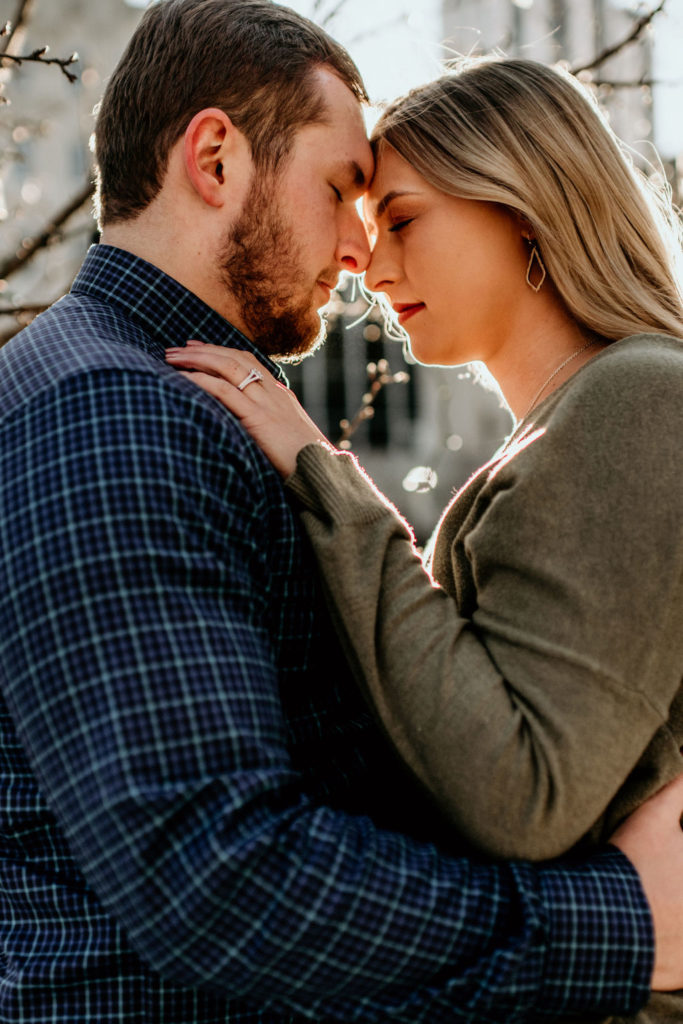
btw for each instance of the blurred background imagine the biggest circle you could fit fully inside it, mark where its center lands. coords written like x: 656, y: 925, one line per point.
x: 419, y: 432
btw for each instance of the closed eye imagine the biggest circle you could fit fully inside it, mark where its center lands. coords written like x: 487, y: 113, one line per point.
x: 337, y: 193
x: 401, y: 224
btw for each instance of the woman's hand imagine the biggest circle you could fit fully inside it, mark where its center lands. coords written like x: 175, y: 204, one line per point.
x: 652, y: 839
x: 267, y: 409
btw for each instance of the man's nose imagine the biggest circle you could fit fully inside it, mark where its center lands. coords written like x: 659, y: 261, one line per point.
x: 353, y: 249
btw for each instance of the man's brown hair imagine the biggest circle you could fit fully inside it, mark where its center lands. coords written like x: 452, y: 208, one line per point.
x: 251, y: 58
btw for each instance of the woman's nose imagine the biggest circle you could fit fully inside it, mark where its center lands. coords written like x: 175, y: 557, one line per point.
x: 379, y: 273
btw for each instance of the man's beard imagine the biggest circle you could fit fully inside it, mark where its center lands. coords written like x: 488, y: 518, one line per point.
x: 260, y: 264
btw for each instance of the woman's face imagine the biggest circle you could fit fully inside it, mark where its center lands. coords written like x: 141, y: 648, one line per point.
x: 454, y: 269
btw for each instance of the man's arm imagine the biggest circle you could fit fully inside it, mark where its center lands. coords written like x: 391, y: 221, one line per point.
x: 142, y: 682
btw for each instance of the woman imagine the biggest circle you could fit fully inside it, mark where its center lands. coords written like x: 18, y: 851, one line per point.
x: 534, y: 684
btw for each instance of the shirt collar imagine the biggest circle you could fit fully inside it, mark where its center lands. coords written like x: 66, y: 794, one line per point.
x: 167, y: 312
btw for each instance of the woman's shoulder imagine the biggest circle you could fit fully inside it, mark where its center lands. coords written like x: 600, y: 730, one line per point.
x: 621, y: 410
x: 643, y: 357
x: 631, y: 379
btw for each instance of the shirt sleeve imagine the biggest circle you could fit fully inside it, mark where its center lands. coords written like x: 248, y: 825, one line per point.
x: 143, y: 684
x: 526, y: 714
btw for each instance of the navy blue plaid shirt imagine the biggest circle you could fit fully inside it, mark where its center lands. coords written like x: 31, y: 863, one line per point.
x: 199, y: 820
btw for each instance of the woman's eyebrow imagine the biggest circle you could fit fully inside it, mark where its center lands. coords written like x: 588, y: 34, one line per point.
x: 394, y: 194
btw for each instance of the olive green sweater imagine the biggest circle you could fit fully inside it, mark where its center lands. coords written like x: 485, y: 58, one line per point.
x: 535, y: 686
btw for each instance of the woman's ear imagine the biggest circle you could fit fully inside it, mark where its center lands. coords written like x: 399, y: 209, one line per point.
x: 525, y: 226
x: 208, y: 142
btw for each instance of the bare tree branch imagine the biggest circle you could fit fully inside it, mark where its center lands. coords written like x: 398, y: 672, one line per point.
x: 635, y: 83
x: 400, y: 19
x: 32, y: 245
x: 6, y: 335
x: 38, y: 57
x: 30, y: 309
x: 12, y: 30
x: 637, y: 30
x: 331, y: 15
x: 379, y: 375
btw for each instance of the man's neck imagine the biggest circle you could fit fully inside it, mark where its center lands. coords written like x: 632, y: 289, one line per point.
x: 177, y: 257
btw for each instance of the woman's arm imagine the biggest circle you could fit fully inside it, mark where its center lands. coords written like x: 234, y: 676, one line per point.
x: 525, y: 719
x: 523, y: 738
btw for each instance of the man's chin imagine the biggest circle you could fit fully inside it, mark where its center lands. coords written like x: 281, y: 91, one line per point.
x: 291, y: 346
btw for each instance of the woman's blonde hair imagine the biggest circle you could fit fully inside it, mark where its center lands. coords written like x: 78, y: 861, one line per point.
x: 529, y: 137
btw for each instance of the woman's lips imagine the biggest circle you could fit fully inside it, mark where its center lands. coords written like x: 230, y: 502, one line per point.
x: 407, y: 309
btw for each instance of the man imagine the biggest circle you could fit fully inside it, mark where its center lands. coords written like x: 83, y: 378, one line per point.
x: 201, y: 821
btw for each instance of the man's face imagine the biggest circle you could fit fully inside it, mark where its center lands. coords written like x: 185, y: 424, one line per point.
x: 300, y: 228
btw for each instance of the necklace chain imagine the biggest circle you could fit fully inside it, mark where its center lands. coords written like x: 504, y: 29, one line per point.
x: 554, y: 374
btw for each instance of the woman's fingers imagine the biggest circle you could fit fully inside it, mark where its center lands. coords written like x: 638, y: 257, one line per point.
x: 226, y: 393
x: 266, y: 409
x: 231, y: 365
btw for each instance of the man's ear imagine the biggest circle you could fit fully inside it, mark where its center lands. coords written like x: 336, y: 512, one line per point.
x: 209, y: 142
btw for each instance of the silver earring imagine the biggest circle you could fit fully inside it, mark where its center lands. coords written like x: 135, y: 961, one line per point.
x: 535, y: 255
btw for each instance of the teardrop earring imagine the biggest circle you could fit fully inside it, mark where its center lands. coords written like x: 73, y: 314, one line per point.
x: 535, y: 256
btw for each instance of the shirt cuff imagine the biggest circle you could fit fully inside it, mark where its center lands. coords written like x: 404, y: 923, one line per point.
x: 601, y: 943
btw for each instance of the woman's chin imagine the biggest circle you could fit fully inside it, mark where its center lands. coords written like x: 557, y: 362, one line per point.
x: 428, y: 355
x: 421, y: 351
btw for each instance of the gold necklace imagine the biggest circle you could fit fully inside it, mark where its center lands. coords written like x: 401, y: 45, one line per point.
x: 554, y: 374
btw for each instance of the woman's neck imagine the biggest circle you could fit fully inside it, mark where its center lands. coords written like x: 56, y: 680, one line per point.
x: 550, y: 349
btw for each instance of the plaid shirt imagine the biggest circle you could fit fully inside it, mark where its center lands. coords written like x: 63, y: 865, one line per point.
x: 199, y: 819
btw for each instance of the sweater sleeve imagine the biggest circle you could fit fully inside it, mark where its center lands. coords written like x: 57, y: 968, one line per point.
x: 526, y: 717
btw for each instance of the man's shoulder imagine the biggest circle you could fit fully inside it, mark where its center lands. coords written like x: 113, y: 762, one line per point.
x: 81, y: 343
x: 82, y: 358
x: 77, y: 333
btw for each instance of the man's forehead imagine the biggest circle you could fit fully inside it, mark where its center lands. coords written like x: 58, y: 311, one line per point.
x: 357, y: 175
x: 344, y: 120
x: 360, y: 178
